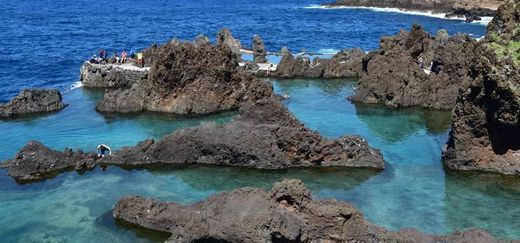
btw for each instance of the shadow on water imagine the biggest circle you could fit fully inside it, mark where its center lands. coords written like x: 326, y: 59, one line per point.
x: 107, y: 223
x: 330, y: 87
x: 483, y: 200
x: 383, y: 121
x: 229, y: 178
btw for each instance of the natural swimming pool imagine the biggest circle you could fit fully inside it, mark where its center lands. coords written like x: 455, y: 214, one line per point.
x: 413, y: 191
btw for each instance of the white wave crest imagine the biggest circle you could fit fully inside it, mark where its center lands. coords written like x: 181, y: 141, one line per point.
x: 483, y: 21
x: 76, y: 85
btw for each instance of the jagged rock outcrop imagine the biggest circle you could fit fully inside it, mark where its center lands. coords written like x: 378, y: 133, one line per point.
x: 32, y: 101
x: 94, y: 75
x: 486, y: 120
x: 187, y: 78
x: 416, y: 69
x: 471, y: 9
x: 286, y: 213
x: 265, y: 135
x: 345, y: 64
x: 224, y: 37
x: 259, y: 51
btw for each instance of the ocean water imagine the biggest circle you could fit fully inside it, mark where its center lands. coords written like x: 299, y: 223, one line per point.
x: 43, y: 44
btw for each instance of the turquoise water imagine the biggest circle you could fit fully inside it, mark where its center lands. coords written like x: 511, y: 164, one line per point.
x: 414, y: 191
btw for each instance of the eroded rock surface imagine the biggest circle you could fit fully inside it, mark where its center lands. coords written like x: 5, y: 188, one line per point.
x: 110, y: 76
x: 345, y: 64
x: 188, y: 78
x: 416, y: 69
x: 485, y: 132
x: 259, y: 51
x: 32, y: 101
x: 264, y: 135
x: 286, y: 213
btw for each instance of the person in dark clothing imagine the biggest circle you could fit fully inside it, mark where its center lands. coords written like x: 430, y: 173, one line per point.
x: 103, y: 150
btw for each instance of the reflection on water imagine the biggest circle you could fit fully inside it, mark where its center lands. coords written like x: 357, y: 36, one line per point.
x: 410, y: 120
x: 413, y: 191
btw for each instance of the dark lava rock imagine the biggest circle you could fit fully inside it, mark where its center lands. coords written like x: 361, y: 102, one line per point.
x: 259, y: 51
x: 286, y: 213
x: 345, y: 64
x: 456, y: 7
x: 110, y: 76
x: 416, y: 69
x: 187, y: 78
x: 31, y: 101
x: 224, y: 37
x: 265, y: 135
x: 486, y: 120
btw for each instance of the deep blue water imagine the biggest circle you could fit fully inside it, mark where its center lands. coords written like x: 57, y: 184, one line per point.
x: 43, y: 43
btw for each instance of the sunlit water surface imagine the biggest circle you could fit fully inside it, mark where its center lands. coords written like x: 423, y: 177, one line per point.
x: 414, y: 191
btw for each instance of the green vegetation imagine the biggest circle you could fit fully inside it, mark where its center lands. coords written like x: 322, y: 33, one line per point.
x: 509, y: 49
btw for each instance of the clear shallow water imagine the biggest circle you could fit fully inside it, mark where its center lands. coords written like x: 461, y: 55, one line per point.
x: 43, y: 44
x: 413, y: 191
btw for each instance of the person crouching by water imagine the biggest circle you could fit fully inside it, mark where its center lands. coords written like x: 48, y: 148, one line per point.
x: 103, y: 150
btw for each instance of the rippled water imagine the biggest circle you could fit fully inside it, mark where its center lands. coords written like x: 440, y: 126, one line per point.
x: 43, y: 42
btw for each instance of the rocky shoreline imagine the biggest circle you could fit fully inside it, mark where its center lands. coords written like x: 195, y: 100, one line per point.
x: 286, y: 213
x: 264, y: 136
x: 486, y: 120
x: 468, y: 9
x: 32, y: 101
x: 93, y: 75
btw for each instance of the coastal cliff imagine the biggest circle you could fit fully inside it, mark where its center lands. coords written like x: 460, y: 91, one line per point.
x: 471, y: 9
x: 286, y: 213
x: 486, y: 120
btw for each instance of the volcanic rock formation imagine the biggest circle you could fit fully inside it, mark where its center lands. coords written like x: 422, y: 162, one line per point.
x: 31, y: 101
x: 265, y: 135
x: 188, y: 78
x: 94, y: 75
x: 259, y: 51
x: 485, y: 132
x: 345, y: 64
x: 416, y: 69
x: 286, y: 213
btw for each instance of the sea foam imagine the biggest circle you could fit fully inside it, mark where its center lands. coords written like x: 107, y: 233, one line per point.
x: 483, y: 21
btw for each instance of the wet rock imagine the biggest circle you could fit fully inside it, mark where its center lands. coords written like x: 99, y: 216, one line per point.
x: 416, y: 69
x: 286, y: 213
x: 265, y: 135
x: 259, y: 51
x: 32, y: 101
x: 486, y: 119
x: 110, y: 76
x: 345, y: 64
x: 185, y: 78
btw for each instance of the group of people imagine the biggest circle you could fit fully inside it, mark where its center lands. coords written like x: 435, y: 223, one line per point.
x: 118, y: 59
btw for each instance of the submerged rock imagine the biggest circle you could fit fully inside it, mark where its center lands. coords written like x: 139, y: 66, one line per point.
x: 416, y: 69
x: 286, y: 213
x: 259, y: 51
x: 345, y: 64
x: 31, y: 101
x: 486, y: 120
x: 187, y: 78
x: 111, y: 76
x: 264, y: 135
